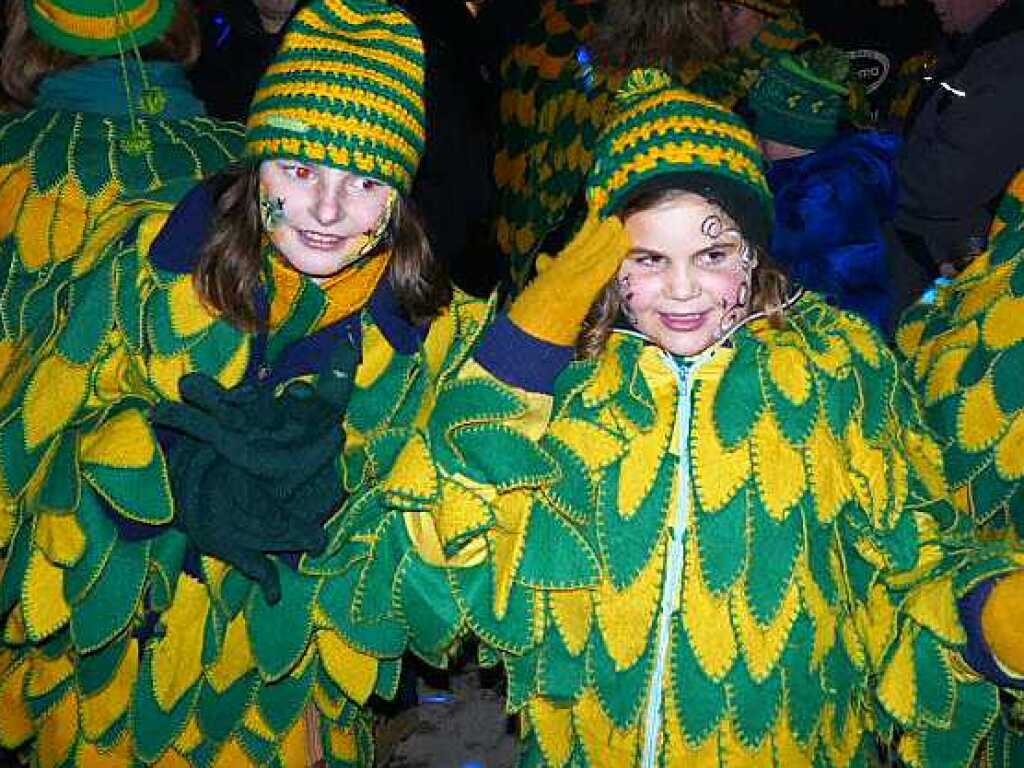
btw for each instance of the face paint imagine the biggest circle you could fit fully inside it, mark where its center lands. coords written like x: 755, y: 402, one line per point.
x: 271, y: 211
x: 369, y: 240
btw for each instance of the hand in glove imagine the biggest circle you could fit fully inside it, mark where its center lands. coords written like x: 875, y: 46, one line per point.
x: 555, y: 304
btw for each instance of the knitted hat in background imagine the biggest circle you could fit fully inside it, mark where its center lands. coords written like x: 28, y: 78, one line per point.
x: 665, y: 136
x: 98, y: 27
x: 345, y: 90
x: 799, y: 101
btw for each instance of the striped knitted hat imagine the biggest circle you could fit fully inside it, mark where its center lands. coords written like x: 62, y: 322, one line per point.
x: 345, y: 90
x: 665, y: 136
x: 99, y: 27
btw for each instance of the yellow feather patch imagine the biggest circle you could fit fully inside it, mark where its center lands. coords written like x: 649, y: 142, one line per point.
x: 596, y: 447
x: 71, y: 220
x: 835, y: 359
x: 329, y: 708
x: 188, y: 314
x: 603, y: 743
x: 841, y: 747
x: 233, y: 372
x: 626, y: 618
x: 8, y: 518
x: 177, y: 657
x: 60, y: 538
x: 191, y: 735
x: 1000, y: 623
x: 762, y: 645
x: 15, y: 364
x: 897, y: 690
x: 254, y: 721
x: 780, y: 467
x: 106, y: 227
x: 553, y: 723
x: 343, y: 744
x: 708, y: 623
x: 735, y: 752
x: 377, y: 356
x: 16, y: 725
x: 101, y: 711
x: 439, y: 342
x: 293, y: 747
x: 235, y: 656
x: 14, y: 628
x: 34, y: 229
x: 639, y: 468
x: 125, y: 441
x: 718, y: 472
x: 788, y: 368
x: 865, y: 344
x: 12, y: 193
x: 933, y: 606
x: 573, y: 615
x: 415, y: 475
x: 827, y: 472
x: 908, y: 337
x: 1009, y: 454
x: 233, y: 756
x: 980, y: 420
x: 983, y: 294
x: 507, y: 540
x: 788, y: 749
x: 114, y: 377
x: 607, y: 379
x: 58, y: 731
x: 55, y: 393
x: 172, y: 759
x: 42, y: 597
x: 877, y: 622
x: 943, y: 374
x: 92, y: 756
x: 822, y: 613
x: 868, y: 473
x: 1004, y: 323
x: 465, y: 511
x: 166, y: 371
x: 47, y: 674
x: 354, y: 672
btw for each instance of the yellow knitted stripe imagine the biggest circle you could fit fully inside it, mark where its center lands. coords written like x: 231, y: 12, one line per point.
x: 366, y: 98
x: 317, y: 68
x: 329, y: 122
x: 298, y: 40
x: 96, y: 27
x: 683, y: 154
x: 390, y: 21
x: 318, y: 152
x: 675, y: 124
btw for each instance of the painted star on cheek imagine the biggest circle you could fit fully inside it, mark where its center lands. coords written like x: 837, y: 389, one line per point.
x: 271, y: 211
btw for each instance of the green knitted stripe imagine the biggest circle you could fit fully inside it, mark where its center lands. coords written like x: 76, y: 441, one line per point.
x: 55, y: 22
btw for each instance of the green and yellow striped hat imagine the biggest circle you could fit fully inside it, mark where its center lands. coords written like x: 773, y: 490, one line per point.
x: 345, y: 90
x: 663, y: 135
x: 99, y: 27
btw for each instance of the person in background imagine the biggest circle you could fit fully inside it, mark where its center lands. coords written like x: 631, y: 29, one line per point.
x: 963, y: 142
x: 240, y: 38
x: 556, y: 85
x: 102, y: 121
x: 834, y: 186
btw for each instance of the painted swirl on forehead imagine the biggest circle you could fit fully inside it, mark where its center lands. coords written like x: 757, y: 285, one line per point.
x: 712, y: 226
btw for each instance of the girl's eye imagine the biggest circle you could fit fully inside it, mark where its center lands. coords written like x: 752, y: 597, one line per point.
x: 301, y: 172
x: 648, y: 259
x: 713, y: 258
x: 363, y: 184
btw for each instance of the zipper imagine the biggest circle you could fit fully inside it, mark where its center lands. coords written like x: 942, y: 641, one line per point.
x: 674, y: 557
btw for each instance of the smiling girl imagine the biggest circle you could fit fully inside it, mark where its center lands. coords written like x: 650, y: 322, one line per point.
x: 223, y: 379
x: 728, y: 541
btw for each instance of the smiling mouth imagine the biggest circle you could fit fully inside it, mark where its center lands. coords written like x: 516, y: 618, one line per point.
x: 319, y: 241
x: 683, y: 321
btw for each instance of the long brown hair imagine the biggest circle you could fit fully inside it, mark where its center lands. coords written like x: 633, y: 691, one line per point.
x: 646, y: 33
x: 25, y: 59
x: 769, y: 286
x: 231, y: 263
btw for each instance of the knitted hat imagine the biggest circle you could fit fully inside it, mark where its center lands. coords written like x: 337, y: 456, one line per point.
x: 664, y: 136
x: 345, y: 90
x: 795, y: 103
x: 99, y: 27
